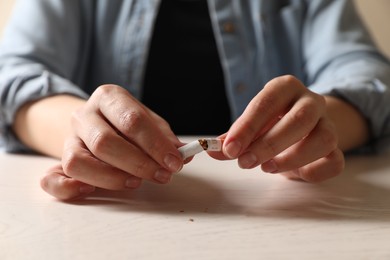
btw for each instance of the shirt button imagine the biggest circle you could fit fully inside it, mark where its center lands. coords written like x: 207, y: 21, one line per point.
x: 241, y: 88
x: 229, y: 27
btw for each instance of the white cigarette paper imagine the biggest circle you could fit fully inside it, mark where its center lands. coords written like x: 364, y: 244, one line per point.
x: 195, y: 147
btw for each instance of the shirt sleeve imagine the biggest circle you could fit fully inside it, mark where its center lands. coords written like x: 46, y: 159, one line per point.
x: 343, y: 61
x: 41, y: 54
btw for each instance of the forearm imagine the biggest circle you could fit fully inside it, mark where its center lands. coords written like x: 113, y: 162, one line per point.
x: 43, y: 125
x: 352, y: 128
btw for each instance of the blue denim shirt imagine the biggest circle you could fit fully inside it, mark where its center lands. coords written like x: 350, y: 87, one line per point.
x: 73, y: 46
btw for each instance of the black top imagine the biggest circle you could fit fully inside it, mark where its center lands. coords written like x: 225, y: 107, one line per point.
x: 183, y: 79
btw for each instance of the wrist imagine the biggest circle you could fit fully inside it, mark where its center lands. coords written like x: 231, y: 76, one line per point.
x: 43, y: 124
x: 351, y: 126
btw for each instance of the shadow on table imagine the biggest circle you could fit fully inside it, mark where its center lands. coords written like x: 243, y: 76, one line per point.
x: 361, y: 193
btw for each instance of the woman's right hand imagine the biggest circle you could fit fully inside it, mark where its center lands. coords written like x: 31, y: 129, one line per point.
x: 115, y: 143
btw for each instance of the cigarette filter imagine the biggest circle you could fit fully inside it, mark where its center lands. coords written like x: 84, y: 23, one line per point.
x: 195, y: 147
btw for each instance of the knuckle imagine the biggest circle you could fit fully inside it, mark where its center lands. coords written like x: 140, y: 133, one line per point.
x: 316, y: 102
x: 99, y: 142
x: 328, y: 138
x: 308, y: 111
x: 130, y: 121
x: 163, y: 124
x: 269, y: 147
x: 62, y: 192
x: 304, y: 116
x: 102, y: 91
x: 70, y: 164
x: 334, y: 167
x: 284, y: 83
x: 264, y: 103
x: 248, y: 128
x: 105, y: 89
x: 156, y: 147
x: 141, y: 167
x: 289, y: 79
x: 320, y: 100
x: 310, y: 176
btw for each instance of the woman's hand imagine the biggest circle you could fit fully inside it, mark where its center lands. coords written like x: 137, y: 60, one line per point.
x: 115, y: 143
x: 286, y: 129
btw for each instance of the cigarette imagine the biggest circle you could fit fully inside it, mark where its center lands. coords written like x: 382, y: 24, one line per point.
x: 197, y: 146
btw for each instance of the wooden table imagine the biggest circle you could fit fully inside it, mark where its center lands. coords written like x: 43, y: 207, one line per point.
x: 211, y: 210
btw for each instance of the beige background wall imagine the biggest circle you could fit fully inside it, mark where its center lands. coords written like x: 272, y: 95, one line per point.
x: 5, y: 9
x: 375, y: 12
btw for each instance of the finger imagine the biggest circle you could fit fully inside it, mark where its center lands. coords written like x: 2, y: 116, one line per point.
x: 261, y: 113
x: 80, y: 164
x: 135, y: 123
x: 292, y: 128
x: 320, y: 170
x: 107, y: 146
x: 291, y: 176
x: 219, y: 155
x: 161, y: 123
x: 57, y: 184
x: 321, y: 141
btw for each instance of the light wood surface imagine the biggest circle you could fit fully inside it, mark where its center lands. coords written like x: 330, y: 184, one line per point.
x: 211, y: 210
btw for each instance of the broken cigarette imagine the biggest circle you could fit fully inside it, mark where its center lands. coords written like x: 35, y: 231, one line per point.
x: 197, y: 146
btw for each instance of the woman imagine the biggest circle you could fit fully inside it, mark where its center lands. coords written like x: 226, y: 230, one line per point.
x: 107, y: 85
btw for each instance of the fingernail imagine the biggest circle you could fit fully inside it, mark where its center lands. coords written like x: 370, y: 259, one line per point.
x: 269, y: 166
x: 162, y: 176
x: 133, y: 182
x: 85, y: 189
x: 247, y: 160
x: 173, y: 163
x: 233, y: 149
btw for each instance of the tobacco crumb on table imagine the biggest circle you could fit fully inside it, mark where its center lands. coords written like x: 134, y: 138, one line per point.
x: 191, y: 219
x: 181, y: 211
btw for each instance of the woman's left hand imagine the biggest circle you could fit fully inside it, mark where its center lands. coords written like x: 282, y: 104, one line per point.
x: 286, y: 129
